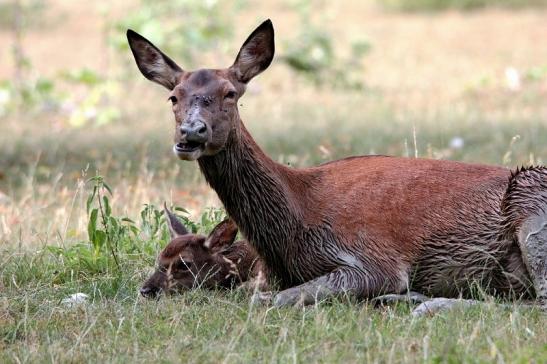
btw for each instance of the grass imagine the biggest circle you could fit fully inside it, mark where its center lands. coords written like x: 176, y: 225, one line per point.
x: 202, y: 326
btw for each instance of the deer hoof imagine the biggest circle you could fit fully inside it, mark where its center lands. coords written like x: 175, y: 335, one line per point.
x: 436, y: 305
x: 390, y: 299
x: 288, y: 297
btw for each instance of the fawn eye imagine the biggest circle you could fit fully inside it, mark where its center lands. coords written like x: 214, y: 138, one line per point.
x: 181, y: 265
x: 173, y: 99
x: 230, y: 95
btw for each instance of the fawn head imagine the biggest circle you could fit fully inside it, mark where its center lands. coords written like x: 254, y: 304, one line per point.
x: 191, y: 260
x: 205, y: 101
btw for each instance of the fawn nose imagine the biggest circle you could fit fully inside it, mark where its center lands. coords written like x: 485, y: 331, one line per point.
x: 195, y: 131
x: 149, y: 292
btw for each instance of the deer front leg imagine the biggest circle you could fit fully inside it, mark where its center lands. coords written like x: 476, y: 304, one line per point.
x: 343, y: 280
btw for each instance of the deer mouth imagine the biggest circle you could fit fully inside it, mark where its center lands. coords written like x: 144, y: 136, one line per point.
x: 188, y: 150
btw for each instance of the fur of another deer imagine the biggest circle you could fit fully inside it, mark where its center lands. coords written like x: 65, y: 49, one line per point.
x: 365, y: 225
x: 190, y: 260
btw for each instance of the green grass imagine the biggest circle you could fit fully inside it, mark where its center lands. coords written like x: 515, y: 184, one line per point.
x: 202, y: 326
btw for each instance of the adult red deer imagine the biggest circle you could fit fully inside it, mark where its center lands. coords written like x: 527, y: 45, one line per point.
x: 192, y: 260
x: 363, y: 225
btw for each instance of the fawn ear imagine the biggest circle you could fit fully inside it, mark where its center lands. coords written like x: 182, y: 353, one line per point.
x: 152, y: 63
x: 222, y: 235
x: 256, y: 54
x: 175, y: 226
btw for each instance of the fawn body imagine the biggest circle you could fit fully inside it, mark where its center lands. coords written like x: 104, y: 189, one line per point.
x: 191, y: 260
x: 363, y: 225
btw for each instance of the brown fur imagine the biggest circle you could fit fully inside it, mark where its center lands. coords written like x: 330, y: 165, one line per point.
x: 362, y: 225
x: 191, y: 260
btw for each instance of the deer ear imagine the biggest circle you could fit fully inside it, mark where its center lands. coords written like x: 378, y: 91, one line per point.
x: 152, y: 63
x: 175, y: 226
x: 222, y: 235
x: 256, y: 54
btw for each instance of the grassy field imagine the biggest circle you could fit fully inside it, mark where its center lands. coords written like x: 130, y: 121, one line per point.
x: 436, y: 85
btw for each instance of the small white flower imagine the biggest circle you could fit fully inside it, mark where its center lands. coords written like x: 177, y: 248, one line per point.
x: 457, y: 143
x: 90, y: 113
x: 4, y: 96
x: 209, y: 4
x: 512, y: 79
x: 317, y: 53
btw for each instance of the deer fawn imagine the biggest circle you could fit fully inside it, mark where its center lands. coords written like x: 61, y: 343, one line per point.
x: 365, y: 225
x: 191, y: 260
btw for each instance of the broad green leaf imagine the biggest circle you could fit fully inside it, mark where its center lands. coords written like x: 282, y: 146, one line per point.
x: 182, y: 209
x: 114, y: 225
x: 92, y: 225
x: 107, y: 187
x: 100, y: 238
x: 90, y: 199
x: 107, y: 208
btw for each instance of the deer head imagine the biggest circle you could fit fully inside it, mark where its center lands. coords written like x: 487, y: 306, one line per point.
x: 191, y: 260
x: 205, y: 101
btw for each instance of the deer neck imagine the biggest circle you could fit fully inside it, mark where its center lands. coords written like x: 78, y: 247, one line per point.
x: 258, y: 194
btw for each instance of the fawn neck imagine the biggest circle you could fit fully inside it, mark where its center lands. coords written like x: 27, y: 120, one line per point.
x: 259, y: 195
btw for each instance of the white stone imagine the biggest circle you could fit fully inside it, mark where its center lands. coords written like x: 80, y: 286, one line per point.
x: 75, y: 299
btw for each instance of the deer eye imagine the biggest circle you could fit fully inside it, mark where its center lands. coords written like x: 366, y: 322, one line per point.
x: 181, y: 265
x: 173, y: 99
x: 230, y: 95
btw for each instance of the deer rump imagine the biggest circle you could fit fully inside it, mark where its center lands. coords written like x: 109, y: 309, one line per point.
x: 485, y: 253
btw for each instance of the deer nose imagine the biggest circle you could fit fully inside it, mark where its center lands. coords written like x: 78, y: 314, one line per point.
x: 194, y: 132
x: 149, y: 292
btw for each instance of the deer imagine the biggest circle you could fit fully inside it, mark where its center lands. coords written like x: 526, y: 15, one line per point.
x: 191, y: 260
x: 361, y: 226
